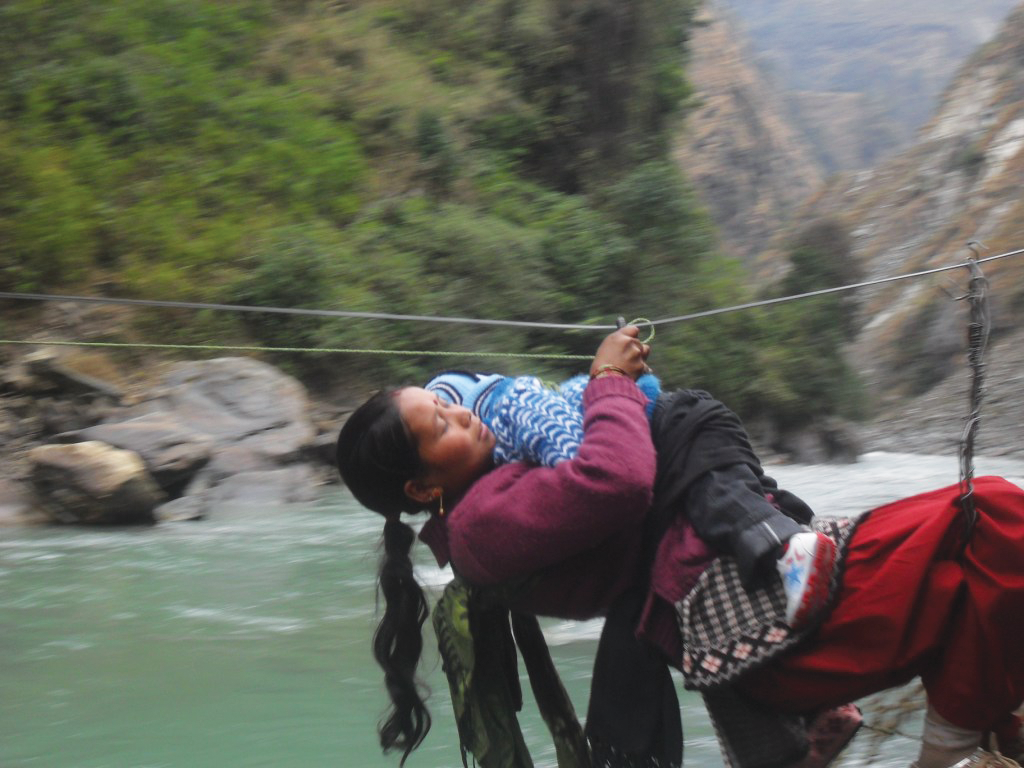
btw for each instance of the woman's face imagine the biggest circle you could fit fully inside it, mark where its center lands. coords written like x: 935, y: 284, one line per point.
x: 455, y: 447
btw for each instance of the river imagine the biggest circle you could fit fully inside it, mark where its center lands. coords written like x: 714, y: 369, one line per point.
x: 243, y: 641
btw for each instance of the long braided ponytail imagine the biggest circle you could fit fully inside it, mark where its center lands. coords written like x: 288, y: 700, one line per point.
x: 376, y: 456
x: 398, y: 642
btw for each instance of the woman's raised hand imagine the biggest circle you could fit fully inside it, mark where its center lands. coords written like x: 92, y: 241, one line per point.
x: 621, y: 352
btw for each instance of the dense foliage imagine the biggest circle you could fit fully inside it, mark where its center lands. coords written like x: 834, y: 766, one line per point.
x: 497, y: 158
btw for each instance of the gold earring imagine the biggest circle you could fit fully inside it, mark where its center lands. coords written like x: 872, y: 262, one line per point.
x: 440, y: 503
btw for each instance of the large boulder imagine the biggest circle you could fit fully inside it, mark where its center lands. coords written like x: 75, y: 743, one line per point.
x: 295, y: 483
x: 44, y: 371
x: 16, y: 507
x: 92, y: 482
x: 255, y: 419
x: 210, y: 433
x: 238, y: 402
x: 173, y: 454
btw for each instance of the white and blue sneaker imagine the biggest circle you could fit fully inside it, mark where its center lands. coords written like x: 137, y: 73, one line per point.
x: 806, y: 569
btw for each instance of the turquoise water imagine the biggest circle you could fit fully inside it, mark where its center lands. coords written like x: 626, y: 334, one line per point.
x: 243, y: 640
x: 240, y: 641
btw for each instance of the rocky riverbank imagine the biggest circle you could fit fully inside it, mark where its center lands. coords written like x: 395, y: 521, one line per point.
x: 934, y: 421
x: 198, y: 435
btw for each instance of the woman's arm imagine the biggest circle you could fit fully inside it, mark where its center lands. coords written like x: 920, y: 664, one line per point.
x: 517, y: 520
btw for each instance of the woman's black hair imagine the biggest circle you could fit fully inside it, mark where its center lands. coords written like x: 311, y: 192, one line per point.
x: 376, y: 456
x: 398, y: 642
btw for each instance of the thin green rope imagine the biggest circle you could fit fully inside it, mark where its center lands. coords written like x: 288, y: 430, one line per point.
x: 317, y: 350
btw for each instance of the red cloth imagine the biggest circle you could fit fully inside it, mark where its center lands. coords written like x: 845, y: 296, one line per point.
x: 908, y: 606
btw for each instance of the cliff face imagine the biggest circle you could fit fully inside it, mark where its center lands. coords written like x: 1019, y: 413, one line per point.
x: 860, y: 78
x: 739, y: 147
x: 960, y: 182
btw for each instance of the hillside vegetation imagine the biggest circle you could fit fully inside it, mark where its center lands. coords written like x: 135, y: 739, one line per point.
x: 499, y: 159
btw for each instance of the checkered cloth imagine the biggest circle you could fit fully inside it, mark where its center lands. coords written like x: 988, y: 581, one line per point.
x: 728, y: 630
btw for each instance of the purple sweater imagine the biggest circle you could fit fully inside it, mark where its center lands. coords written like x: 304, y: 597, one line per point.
x: 571, y: 534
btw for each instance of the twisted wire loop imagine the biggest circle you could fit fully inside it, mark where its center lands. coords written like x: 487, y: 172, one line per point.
x: 891, y: 711
x: 977, y: 338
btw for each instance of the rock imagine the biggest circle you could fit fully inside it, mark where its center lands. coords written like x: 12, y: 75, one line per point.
x: 238, y: 402
x: 234, y: 459
x: 287, y: 485
x: 832, y: 440
x: 212, y: 420
x: 173, y: 454
x: 934, y: 422
x: 803, y: 447
x: 92, y: 482
x: 741, y: 149
x: 46, y: 373
x: 323, y: 450
x: 181, y: 510
x: 57, y: 415
x: 16, y: 505
x: 840, y: 440
x: 236, y: 422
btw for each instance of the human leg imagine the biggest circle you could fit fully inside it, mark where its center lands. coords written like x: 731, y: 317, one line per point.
x: 910, y: 605
x: 729, y: 510
x: 944, y: 744
x: 1009, y: 736
x: 980, y: 676
x: 888, y: 616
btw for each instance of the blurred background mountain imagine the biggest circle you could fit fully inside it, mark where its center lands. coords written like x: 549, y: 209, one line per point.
x: 861, y: 78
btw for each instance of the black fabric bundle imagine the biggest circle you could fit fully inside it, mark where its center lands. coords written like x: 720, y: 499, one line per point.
x: 633, y: 717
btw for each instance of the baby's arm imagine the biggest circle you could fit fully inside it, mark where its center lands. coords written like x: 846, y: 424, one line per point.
x: 537, y: 424
x: 572, y: 390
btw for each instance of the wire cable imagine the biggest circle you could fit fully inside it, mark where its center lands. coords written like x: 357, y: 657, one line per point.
x: 314, y: 350
x: 826, y: 291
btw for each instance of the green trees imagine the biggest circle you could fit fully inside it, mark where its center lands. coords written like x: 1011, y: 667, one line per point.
x: 501, y: 159
x: 135, y: 138
x: 807, y: 374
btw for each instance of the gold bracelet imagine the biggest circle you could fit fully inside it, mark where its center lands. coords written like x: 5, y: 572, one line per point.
x: 607, y: 370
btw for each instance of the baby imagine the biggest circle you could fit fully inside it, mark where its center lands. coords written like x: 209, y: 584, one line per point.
x: 543, y: 423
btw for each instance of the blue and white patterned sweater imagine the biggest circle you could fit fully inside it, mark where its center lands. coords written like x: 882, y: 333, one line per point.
x: 531, y: 420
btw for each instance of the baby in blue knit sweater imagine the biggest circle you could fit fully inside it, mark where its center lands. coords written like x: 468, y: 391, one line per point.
x: 531, y: 420
x: 543, y: 424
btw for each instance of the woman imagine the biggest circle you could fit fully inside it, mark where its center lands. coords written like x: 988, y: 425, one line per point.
x: 571, y: 541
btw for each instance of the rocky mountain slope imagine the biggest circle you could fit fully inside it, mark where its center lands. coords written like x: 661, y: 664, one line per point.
x: 960, y: 182
x: 740, y: 148
x: 860, y: 78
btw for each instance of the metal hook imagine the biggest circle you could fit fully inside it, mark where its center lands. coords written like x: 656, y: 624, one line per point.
x: 620, y: 322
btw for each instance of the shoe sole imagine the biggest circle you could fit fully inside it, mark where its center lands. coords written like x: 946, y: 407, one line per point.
x: 817, y: 586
